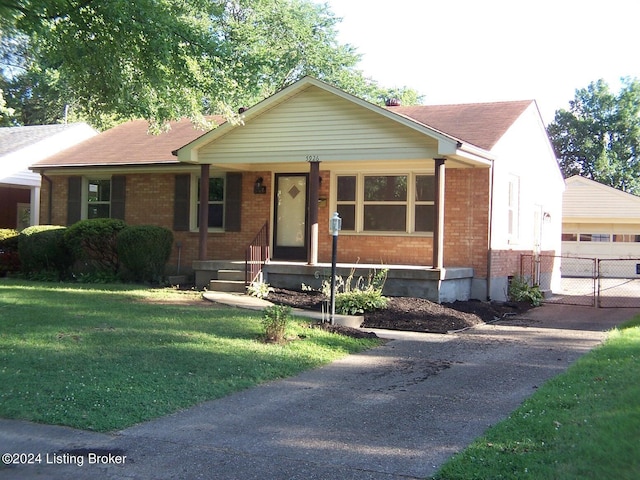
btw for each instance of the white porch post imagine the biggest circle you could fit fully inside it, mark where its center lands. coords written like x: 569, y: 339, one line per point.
x: 438, y: 226
x: 204, y: 211
x: 314, y: 189
x: 34, y: 214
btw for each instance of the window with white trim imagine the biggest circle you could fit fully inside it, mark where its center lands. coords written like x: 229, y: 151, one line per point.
x: 386, y: 202
x: 98, y: 202
x: 215, y: 204
x: 513, y: 207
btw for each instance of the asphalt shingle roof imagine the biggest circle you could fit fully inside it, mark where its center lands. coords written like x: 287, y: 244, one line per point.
x: 17, y: 138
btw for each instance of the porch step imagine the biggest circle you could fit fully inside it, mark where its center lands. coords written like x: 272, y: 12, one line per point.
x: 227, y: 286
x: 237, y: 275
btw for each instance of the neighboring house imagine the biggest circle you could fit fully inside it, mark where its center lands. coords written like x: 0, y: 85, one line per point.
x: 20, y: 147
x: 446, y: 197
x: 599, y: 221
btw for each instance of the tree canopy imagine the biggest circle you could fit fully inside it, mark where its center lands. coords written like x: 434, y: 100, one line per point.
x: 165, y: 59
x: 599, y: 136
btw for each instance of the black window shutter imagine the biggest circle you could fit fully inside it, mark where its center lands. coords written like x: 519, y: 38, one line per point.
x: 233, y: 202
x: 181, y: 201
x: 74, y: 200
x: 118, y: 194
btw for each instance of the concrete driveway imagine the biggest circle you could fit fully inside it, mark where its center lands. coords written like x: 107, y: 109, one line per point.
x: 393, y: 412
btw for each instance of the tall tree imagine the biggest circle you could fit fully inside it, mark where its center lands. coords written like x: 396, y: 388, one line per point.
x: 599, y: 136
x: 163, y: 59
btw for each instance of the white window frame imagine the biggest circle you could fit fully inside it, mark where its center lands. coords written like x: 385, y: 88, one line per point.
x: 360, y: 203
x: 513, y: 209
x: 195, y: 201
x: 86, y: 181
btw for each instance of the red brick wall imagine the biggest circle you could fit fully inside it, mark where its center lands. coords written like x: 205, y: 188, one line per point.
x: 150, y: 198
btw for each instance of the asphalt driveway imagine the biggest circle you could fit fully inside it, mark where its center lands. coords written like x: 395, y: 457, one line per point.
x: 397, y: 411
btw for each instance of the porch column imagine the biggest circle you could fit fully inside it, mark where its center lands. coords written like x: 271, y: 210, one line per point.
x: 204, y: 211
x: 438, y: 224
x: 34, y: 214
x: 314, y: 195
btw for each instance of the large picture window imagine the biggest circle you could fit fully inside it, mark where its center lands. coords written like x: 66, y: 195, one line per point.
x: 386, y: 203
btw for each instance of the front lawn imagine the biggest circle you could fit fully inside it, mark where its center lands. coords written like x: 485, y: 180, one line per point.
x: 106, y: 357
x: 582, y: 424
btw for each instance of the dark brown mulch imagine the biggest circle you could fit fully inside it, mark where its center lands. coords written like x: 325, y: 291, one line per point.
x: 413, y: 314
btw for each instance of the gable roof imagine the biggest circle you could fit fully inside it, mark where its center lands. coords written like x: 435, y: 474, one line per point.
x: 17, y: 138
x: 585, y: 198
x: 480, y: 124
x: 129, y: 143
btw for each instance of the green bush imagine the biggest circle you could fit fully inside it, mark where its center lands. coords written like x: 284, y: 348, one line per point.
x: 359, y: 301
x: 9, y: 257
x: 44, y: 252
x: 521, y: 291
x: 275, y: 321
x: 144, y: 251
x: 94, y: 242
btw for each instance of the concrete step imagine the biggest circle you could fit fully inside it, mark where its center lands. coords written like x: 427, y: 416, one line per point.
x: 227, y: 286
x: 237, y: 275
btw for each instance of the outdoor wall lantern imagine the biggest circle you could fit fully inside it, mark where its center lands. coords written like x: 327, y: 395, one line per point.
x: 258, y: 187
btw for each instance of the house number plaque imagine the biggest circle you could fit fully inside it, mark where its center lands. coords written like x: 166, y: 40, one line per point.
x: 313, y: 158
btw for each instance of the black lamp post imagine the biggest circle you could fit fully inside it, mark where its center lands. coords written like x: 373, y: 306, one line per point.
x: 335, y: 225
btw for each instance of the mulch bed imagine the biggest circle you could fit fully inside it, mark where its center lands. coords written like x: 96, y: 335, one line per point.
x: 408, y: 313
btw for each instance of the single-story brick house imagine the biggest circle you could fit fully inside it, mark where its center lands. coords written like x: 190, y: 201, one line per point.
x: 21, y: 147
x: 447, y: 197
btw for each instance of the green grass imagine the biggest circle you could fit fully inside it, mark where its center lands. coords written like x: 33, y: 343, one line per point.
x: 106, y: 357
x: 583, y: 424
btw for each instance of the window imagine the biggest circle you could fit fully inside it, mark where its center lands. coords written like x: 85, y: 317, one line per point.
x: 513, y: 206
x: 99, y: 198
x: 386, y: 203
x: 626, y: 238
x: 569, y: 237
x: 595, y: 237
x: 215, y: 204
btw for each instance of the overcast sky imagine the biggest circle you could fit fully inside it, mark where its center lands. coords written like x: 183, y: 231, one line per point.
x: 459, y: 51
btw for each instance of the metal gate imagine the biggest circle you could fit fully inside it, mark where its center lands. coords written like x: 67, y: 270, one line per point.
x: 585, y: 281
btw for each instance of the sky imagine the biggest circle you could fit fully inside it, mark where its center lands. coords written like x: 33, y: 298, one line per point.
x: 465, y: 51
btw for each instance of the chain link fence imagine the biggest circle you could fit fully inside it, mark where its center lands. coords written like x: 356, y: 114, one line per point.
x: 585, y: 281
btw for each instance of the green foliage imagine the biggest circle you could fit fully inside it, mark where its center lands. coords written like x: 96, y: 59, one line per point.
x: 166, y: 59
x: 274, y: 322
x: 355, y: 302
x: 9, y: 257
x: 521, y: 291
x: 259, y: 289
x: 599, y: 136
x: 44, y: 252
x: 118, y: 355
x: 94, y: 242
x: 354, y: 296
x: 144, y: 251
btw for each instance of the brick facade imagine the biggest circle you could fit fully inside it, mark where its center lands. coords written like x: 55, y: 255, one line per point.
x: 150, y: 199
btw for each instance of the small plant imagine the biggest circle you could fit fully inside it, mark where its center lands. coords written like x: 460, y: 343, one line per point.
x: 259, y: 289
x: 360, y: 301
x: 521, y: 291
x: 275, y: 321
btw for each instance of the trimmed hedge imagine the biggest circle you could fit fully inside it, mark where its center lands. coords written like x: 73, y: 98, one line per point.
x: 9, y: 257
x: 95, y: 241
x: 144, y: 251
x: 43, y: 249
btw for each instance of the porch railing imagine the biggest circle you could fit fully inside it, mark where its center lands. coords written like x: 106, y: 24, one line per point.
x: 257, y: 254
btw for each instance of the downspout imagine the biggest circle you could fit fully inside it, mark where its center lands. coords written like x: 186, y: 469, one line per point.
x: 489, y: 230
x: 50, y: 200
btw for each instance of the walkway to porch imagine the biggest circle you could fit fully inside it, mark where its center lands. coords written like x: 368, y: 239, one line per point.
x: 437, y: 285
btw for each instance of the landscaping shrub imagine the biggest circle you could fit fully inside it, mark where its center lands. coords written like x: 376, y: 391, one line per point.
x: 9, y: 257
x: 275, y: 321
x: 44, y: 253
x: 521, y: 291
x: 93, y: 243
x: 359, y: 301
x: 144, y: 251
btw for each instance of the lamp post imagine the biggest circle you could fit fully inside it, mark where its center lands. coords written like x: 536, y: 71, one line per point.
x: 335, y: 225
